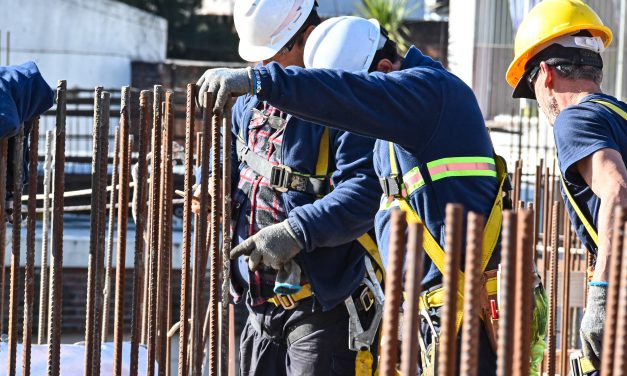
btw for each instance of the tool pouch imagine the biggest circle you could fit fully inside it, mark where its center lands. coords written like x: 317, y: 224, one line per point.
x: 490, y: 323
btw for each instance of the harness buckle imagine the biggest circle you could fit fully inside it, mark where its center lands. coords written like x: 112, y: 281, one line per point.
x: 367, y: 301
x: 280, y: 178
x: 287, y: 302
x: 391, y: 185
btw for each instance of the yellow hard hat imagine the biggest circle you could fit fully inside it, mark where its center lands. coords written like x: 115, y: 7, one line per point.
x: 546, y: 21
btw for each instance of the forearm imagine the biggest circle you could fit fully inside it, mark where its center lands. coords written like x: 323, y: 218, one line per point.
x: 605, y: 224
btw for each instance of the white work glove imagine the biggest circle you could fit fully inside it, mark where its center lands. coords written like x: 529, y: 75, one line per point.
x: 592, y: 324
x: 273, y: 246
x: 225, y: 83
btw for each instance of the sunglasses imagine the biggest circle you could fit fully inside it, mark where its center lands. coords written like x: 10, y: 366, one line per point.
x: 531, y: 77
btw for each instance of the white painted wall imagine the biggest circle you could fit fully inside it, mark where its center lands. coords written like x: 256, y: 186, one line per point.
x: 86, y: 42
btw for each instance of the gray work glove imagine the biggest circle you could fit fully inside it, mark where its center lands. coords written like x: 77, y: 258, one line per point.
x: 273, y: 246
x: 288, y: 279
x: 225, y: 83
x: 591, y: 331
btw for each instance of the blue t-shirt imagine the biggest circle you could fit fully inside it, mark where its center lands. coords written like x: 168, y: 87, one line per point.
x: 580, y: 131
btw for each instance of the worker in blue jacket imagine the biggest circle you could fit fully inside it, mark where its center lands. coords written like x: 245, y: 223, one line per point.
x: 303, y: 194
x: 433, y: 147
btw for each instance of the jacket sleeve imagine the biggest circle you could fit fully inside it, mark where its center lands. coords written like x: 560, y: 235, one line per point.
x: 348, y: 211
x: 403, y: 106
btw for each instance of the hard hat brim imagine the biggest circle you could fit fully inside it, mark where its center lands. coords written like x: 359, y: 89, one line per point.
x: 522, y: 90
x: 253, y: 54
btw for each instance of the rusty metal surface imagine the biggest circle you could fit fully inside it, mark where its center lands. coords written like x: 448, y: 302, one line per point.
x: 14, y: 290
x: 43, y: 282
x: 565, y: 321
x: 554, y: 255
x: 450, y: 282
x: 507, y: 282
x: 620, y: 347
x: 469, y: 361
x: 56, y: 253
x: 29, y: 280
x: 393, y: 288
x: 546, y: 222
x: 413, y: 280
x: 226, y: 240
x: 523, y: 293
x: 123, y: 200
x: 3, y: 224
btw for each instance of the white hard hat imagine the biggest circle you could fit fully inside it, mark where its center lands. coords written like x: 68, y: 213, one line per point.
x: 348, y: 43
x: 265, y: 26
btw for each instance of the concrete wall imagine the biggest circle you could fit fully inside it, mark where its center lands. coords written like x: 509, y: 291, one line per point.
x: 86, y: 42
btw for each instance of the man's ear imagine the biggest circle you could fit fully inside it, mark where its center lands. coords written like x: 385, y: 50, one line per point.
x: 548, y: 75
x: 307, y: 32
x: 385, y: 66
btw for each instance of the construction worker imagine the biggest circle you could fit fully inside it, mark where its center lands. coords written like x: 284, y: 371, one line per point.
x: 303, y: 194
x: 558, y: 62
x: 427, y: 155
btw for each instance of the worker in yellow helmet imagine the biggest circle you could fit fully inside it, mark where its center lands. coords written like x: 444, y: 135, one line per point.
x: 558, y: 62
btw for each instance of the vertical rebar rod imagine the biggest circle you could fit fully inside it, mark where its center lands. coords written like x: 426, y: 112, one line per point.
x: 612, y: 302
x: 146, y: 237
x: 140, y: 226
x: 190, y: 115
x: 450, y: 283
x: 196, y: 244
x: 56, y: 253
x: 161, y: 299
x: 43, y: 282
x: 393, y: 287
x: 620, y: 347
x: 554, y: 255
x: 472, y: 296
x: 565, y: 297
x: 226, y: 239
x: 507, y: 313
x: 517, y: 172
x: 523, y: 293
x: 29, y: 281
x: 102, y: 212
x: 155, y: 178
x: 537, y: 197
x: 113, y: 199
x: 546, y: 222
x: 93, y: 233
x: 14, y: 292
x: 3, y: 223
x: 123, y: 199
x: 411, y: 321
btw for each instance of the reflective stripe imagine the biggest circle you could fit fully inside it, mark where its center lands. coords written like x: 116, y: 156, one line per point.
x: 451, y: 167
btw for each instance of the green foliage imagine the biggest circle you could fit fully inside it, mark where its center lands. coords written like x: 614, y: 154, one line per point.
x: 391, y: 14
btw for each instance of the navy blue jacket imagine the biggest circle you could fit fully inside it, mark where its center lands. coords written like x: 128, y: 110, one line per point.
x: 332, y: 261
x: 425, y: 110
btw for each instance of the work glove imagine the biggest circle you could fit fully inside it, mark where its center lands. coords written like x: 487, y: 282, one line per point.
x: 591, y: 331
x: 288, y: 279
x: 272, y: 246
x: 225, y: 83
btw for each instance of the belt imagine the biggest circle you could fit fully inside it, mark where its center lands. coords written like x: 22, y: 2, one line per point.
x: 434, y: 298
x: 289, y: 301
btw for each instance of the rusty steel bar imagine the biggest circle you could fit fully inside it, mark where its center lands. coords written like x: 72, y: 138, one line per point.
x: 523, y: 293
x: 507, y: 282
x: 29, y: 280
x: 537, y: 198
x: 110, y: 231
x: 3, y: 223
x: 515, y: 186
x: 546, y: 222
x: 393, y: 287
x: 123, y: 200
x: 140, y: 226
x: 56, y: 253
x: 198, y: 149
x: 226, y: 239
x: 612, y: 302
x: 160, y: 356
x: 232, y: 371
x: 450, y: 282
x: 620, y: 347
x: 472, y: 296
x: 187, y: 229
x: 550, y: 357
x: 43, y: 282
x: 154, y: 227
x: 196, y: 244
x: 214, y: 269
x: 93, y: 235
x: 565, y: 295
x: 14, y: 292
x: 517, y: 182
x: 411, y: 321
x: 147, y: 208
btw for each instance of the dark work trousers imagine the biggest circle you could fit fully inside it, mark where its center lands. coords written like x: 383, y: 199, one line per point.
x: 322, y: 352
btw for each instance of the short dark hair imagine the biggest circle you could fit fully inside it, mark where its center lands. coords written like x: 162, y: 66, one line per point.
x: 388, y: 51
x: 580, y: 72
x: 312, y: 20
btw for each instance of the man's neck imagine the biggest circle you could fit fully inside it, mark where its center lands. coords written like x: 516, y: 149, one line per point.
x: 574, y: 95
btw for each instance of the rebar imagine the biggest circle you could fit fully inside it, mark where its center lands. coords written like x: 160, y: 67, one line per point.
x: 546, y: 222
x: 43, y: 283
x: 110, y: 232
x: 29, y: 281
x: 226, y: 240
x: 3, y: 223
x: 472, y: 296
x: 413, y: 280
x: 14, y: 292
x: 507, y: 313
x: 393, y: 287
x: 123, y: 200
x: 154, y: 227
x: 537, y: 197
x: 56, y: 253
x: 565, y: 296
x: 612, y: 302
x: 190, y: 116
x: 93, y: 235
x: 140, y: 226
x: 523, y: 293
x: 620, y: 348
x: 554, y: 255
x: 450, y: 283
